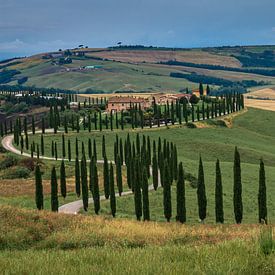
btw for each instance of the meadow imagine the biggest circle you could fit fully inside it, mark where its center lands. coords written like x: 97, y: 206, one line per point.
x: 253, y: 133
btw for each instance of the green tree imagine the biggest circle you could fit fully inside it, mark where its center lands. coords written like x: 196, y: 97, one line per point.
x: 84, y: 184
x: 167, y: 205
x: 63, y: 187
x: 262, y: 194
x: 42, y: 145
x: 33, y: 125
x: 219, y: 195
x: 39, y: 199
x: 145, y: 197
x: 181, y: 208
x: 112, y: 192
x: 155, y: 171
x: 119, y: 176
x: 77, y: 178
x: 69, y: 151
x: 201, y: 89
x: 54, y: 191
x: 96, y: 196
x: 63, y: 146
x: 237, y: 190
x: 201, y: 195
x: 106, y: 178
x: 137, y: 189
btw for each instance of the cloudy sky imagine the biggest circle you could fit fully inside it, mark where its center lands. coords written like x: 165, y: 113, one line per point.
x: 32, y: 26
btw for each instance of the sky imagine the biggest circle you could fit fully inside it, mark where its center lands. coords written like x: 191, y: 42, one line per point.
x: 33, y: 26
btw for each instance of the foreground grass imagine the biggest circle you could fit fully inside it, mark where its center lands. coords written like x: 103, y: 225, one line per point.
x: 33, y: 242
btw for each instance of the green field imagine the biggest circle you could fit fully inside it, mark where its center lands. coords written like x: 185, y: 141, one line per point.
x: 253, y: 133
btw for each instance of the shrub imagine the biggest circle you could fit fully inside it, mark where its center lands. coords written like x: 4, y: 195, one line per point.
x: 17, y: 172
x: 266, y: 242
x: 191, y: 125
x: 9, y: 160
x: 29, y: 163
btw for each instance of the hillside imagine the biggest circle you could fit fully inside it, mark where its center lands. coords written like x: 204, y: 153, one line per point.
x: 139, y: 70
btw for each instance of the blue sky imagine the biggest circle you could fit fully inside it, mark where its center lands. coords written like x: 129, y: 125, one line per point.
x: 33, y: 26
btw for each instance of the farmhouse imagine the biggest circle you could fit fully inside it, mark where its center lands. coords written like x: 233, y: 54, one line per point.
x: 196, y: 92
x: 162, y: 98
x: 119, y: 103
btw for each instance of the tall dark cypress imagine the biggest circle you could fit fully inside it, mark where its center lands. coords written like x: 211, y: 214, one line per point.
x: 76, y: 148
x: 54, y: 191
x: 96, y: 196
x: 219, y: 195
x: 100, y: 121
x: 42, y: 145
x: 90, y: 152
x: 167, y: 205
x: 119, y: 176
x: 137, y: 189
x: 39, y: 199
x: 181, y: 208
x: 103, y: 147
x: 95, y: 151
x: 52, y: 148
x: 84, y: 184
x: 155, y: 171
x: 33, y: 125
x: 112, y: 192
x: 106, y: 178
x: 145, y: 196
x: 55, y: 151
x: 77, y: 178
x: 63, y: 187
x: 237, y: 190
x: 63, y: 146
x: 69, y: 151
x: 262, y: 195
x: 201, y: 195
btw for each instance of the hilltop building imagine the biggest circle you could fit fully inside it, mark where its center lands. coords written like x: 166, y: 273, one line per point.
x: 119, y: 103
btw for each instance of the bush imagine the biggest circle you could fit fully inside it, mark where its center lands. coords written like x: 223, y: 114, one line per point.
x: 29, y: 163
x: 267, y: 244
x: 9, y: 160
x: 191, y: 125
x: 17, y: 172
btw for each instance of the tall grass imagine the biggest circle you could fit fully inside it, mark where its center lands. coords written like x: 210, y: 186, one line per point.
x: 266, y: 242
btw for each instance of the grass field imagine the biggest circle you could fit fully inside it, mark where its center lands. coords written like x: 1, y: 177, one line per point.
x: 253, y: 133
x: 35, y: 242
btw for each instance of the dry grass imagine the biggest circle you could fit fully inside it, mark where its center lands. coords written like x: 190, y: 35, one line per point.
x: 256, y: 102
x: 48, y: 230
x: 153, y: 56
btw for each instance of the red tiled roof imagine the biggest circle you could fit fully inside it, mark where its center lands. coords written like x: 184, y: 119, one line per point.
x: 125, y: 99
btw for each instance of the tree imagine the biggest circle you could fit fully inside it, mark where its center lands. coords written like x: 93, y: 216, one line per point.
x: 119, y: 176
x: 208, y: 90
x: 155, y: 171
x: 22, y: 144
x: 262, y: 195
x: 77, y: 177
x: 145, y: 197
x: 181, y: 209
x: 201, y: 195
x: 63, y: 187
x: 112, y: 192
x: 39, y: 199
x: 42, y: 145
x: 55, y: 151
x: 201, y: 89
x: 84, y: 184
x: 106, y: 178
x: 137, y: 190
x: 96, y: 196
x: 69, y: 151
x: 52, y: 147
x: 167, y: 205
x: 54, y: 191
x: 63, y: 146
x: 33, y: 125
x: 219, y: 195
x: 237, y: 189
x: 103, y: 147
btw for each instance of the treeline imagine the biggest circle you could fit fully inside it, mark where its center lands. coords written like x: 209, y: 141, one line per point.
x: 7, y: 75
x: 211, y: 80
x: 219, y: 67
x: 142, y: 162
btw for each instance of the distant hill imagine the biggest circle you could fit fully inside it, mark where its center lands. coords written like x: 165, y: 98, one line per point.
x: 142, y: 69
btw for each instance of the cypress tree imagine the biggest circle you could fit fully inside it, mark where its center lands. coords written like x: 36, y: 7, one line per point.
x: 117, y: 121
x: 63, y: 187
x: 63, y: 146
x: 42, y: 145
x: 22, y: 144
x: 262, y: 195
x: 100, y: 121
x: 137, y: 191
x: 37, y: 152
x: 76, y: 148
x: 106, y: 178
x: 90, y: 153
x: 77, y: 177
x: 155, y: 171
x: 69, y: 151
x: 122, y: 120
x: 119, y: 176
x: 181, y: 209
x: 55, y: 151
x: 201, y: 195
x: 39, y: 199
x: 65, y: 124
x: 219, y: 195
x: 201, y: 89
x: 33, y: 125
x: 145, y: 197
x: 54, y: 191
x: 52, y: 148
x: 237, y: 190
x: 121, y: 151
x: 112, y: 192
x: 27, y: 141
x: 92, y: 176
x: 111, y: 120
x: 167, y: 205
x: 89, y: 122
x: 84, y: 184
x: 95, y: 153
x: 96, y: 196
x: 95, y: 120
x: 103, y: 147
x: 31, y: 151
x: 77, y: 124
